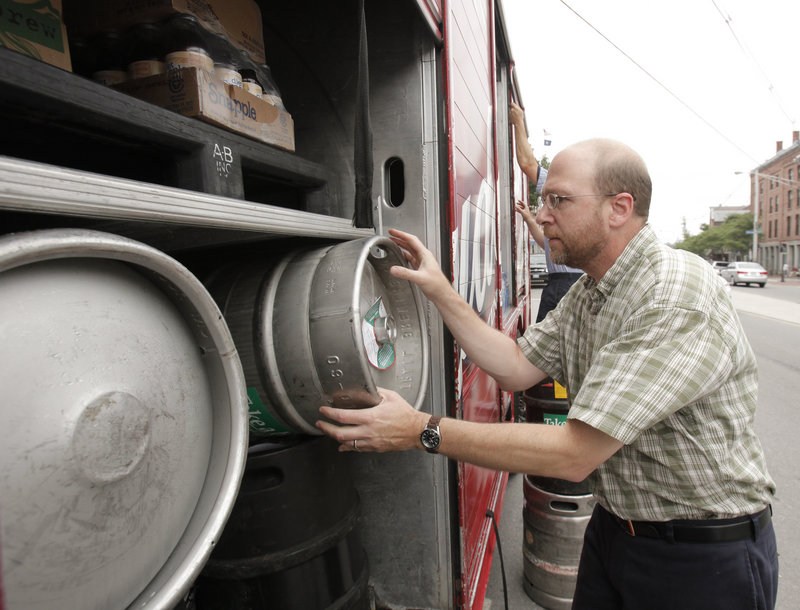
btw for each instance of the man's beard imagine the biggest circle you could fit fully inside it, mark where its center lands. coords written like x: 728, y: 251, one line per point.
x: 577, y: 256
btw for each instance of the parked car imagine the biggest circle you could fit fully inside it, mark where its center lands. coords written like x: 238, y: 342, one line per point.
x: 744, y: 273
x: 539, y: 274
x: 719, y: 265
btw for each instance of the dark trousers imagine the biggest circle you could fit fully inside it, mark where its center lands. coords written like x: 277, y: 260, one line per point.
x: 621, y: 571
x: 557, y: 287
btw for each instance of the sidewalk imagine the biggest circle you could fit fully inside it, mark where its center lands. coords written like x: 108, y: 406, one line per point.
x: 762, y: 304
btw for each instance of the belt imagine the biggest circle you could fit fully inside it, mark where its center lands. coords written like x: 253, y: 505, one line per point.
x: 565, y: 276
x: 711, y: 530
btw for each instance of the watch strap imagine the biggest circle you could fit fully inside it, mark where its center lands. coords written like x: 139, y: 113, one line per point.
x: 433, y: 422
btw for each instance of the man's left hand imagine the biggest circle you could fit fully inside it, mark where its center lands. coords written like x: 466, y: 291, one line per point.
x: 391, y: 425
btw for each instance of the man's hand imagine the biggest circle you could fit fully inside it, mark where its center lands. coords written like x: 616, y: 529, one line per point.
x: 426, y: 272
x: 391, y: 425
x: 524, y: 209
x: 517, y: 116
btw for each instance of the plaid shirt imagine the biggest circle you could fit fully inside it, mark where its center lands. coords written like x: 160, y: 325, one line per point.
x: 654, y: 356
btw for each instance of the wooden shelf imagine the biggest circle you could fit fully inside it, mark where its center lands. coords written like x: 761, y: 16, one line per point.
x: 57, y: 117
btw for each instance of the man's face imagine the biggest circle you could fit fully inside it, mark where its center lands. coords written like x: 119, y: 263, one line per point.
x: 577, y: 229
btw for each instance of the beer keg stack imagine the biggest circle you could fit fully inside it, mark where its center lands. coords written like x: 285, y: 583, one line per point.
x: 314, y: 326
x: 143, y: 405
x: 555, y: 514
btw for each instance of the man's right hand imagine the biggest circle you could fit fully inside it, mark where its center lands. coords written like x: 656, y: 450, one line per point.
x: 426, y: 272
x: 517, y: 115
x: 524, y: 209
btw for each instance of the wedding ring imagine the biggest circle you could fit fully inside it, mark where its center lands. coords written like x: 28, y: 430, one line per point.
x: 355, y: 445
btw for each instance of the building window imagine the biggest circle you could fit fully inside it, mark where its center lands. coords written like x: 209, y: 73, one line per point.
x: 789, y: 200
x: 797, y: 224
x: 788, y: 226
x: 790, y: 174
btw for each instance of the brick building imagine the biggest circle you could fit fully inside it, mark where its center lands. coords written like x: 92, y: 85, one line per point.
x: 778, y: 207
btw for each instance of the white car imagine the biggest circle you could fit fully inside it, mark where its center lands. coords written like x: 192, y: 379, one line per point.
x: 719, y: 265
x: 742, y: 272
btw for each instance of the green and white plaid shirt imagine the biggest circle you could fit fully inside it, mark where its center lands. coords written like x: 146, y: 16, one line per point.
x: 654, y: 355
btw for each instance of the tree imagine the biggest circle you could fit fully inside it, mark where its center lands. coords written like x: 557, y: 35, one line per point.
x: 730, y: 237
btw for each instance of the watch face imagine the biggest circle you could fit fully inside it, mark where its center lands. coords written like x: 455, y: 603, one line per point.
x: 430, y: 438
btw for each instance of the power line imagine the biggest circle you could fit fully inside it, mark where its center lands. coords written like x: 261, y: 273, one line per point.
x: 728, y: 21
x: 662, y: 85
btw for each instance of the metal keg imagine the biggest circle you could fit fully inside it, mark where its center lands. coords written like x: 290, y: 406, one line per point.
x: 324, y: 326
x: 554, y: 526
x: 123, y: 432
x: 547, y: 403
x: 293, y: 539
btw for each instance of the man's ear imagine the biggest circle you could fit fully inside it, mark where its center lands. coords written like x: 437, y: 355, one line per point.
x: 621, y: 209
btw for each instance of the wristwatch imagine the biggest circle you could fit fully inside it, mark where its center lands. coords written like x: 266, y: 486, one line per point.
x: 430, y: 436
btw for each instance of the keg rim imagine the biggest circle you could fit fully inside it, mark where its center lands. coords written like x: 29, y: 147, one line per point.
x: 216, y: 499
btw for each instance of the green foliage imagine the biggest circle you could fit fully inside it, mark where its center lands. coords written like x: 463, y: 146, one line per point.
x: 730, y: 237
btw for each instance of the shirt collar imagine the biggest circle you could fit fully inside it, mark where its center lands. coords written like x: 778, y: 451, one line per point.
x: 619, y: 270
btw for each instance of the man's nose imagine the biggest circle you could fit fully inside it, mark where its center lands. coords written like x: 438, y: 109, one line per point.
x: 544, y: 216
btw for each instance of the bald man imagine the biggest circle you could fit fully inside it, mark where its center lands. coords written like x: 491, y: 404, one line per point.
x: 662, y: 385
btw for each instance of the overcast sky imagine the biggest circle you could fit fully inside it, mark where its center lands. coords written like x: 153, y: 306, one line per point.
x: 733, y: 66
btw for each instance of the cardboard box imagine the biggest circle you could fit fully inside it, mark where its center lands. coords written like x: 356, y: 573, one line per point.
x: 239, y: 20
x: 28, y: 27
x: 197, y: 93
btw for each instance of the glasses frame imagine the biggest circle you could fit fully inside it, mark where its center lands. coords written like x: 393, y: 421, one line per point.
x: 552, y: 201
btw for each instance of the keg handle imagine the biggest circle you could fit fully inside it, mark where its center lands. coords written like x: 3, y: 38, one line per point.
x: 385, y: 330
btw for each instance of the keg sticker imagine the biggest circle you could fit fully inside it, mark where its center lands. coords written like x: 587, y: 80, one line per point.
x: 554, y: 419
x: 261, y: 420
x: 559, y: 391
x: 380, y: 355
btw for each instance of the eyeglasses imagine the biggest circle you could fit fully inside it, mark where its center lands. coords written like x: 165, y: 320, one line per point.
x: 553, y: 201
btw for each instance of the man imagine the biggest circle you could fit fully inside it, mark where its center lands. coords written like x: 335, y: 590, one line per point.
x: 662, y: 385
x: 560, y: 277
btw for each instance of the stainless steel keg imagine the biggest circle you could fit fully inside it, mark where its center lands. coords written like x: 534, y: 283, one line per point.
x: 325, y: 325
x: 123, y: 428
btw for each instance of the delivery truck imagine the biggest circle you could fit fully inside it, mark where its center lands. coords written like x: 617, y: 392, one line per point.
x: 194, y: 202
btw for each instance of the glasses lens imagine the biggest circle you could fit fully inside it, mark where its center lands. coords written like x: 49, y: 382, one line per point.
x: 551, y: 200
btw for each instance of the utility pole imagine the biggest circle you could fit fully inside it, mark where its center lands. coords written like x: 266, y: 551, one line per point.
x: 755, y: 218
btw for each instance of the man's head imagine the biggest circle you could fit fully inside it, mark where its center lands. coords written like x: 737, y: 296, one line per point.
x: 619, y: 169
x: 603, y: 190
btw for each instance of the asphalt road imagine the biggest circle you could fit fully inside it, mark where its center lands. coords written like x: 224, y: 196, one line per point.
x: 771, y: 319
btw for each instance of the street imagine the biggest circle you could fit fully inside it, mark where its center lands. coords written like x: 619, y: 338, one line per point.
x: 771, y: 319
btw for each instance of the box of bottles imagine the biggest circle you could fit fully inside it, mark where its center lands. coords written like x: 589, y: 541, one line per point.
x: 196, y: 92
x: 27, y: 27
x: 237, y: 20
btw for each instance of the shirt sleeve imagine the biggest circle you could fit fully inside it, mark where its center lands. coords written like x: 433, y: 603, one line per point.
x: 540, y: 178
x: 665, y: 359
x: 540, y: 344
